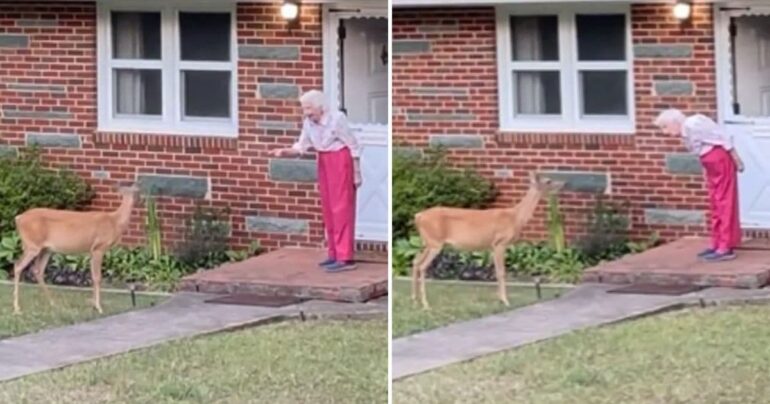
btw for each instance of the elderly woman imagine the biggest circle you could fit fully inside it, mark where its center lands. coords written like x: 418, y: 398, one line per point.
x: 339, y: 174
x: 714, y: 147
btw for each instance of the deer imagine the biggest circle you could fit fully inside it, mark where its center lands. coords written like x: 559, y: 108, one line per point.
x: 46, y: 231
x: 475, y: 230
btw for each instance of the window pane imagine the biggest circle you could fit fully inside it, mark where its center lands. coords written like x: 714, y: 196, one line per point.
x: 138, y: 92
x: 535, y: 38
x: 537, y: 93
x: 205, y: 36
x: 206, y: 94
x: 604, y: 93
x: 135, y: 35
x: 601, y: 37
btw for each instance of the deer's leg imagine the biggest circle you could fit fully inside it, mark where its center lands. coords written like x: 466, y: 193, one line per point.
x: 416, y: 272
x: 39, y: 271
x: 429, y: 257
x: 27, y: 257
x: 96, y: 278
x: 499, y: 257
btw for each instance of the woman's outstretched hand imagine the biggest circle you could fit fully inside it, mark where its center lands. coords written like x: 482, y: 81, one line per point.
x: 283, y: 152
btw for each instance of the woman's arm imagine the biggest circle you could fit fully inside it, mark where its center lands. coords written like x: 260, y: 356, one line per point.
x: 300, y: 147
x: 347, y: 137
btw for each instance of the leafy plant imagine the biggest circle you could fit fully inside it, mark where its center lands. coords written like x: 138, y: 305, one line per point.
x: 420, y: 182
x: 153, y: 230
x: 556, y: 224
x: 10, y: 250
x: 26, y: 183
x: 404, y: 252
x: 242, y: 255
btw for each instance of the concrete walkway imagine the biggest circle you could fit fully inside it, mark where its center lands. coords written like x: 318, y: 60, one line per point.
x: 586, y: 306
x: 184, y: 315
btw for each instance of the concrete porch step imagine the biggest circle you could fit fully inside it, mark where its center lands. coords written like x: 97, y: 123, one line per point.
x: 677, y: 263
x: 294, y: 272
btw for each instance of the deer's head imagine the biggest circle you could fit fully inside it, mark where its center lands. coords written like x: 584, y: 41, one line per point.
x: 129, y: 191
x: 546, y: 186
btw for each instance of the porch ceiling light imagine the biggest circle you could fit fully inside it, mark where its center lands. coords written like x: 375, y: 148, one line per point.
x: 289, y: 10
x: 683, y: 10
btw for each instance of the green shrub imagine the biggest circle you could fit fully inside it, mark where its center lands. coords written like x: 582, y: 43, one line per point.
x: 404, y: 252
x: 205, y: 240
x: 607, y: 233
x: 10, y: 250
x: 527, y: 260
x: 26, y: 183
x: 421, y: 182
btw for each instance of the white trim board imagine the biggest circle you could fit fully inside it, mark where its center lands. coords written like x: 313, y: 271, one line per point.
x: 461, y: 3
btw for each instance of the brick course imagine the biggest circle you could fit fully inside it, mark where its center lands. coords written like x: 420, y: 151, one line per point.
x: 48, y: 85
x: 447, y: 66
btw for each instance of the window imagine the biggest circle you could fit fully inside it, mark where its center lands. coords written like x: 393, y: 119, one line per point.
x: 165, y: 69
x: 565, y: 69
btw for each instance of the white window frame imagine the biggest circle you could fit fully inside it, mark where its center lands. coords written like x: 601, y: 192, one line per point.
x: 570, y: 120
x: 171, y: 121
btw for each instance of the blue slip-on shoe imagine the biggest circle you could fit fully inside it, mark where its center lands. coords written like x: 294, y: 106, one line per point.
x: 720, y: 256
x: 341, y: 266
x: 706, y: 252
x: 327, y: 262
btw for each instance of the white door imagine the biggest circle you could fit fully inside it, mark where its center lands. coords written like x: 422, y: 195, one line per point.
x: 356, y: 77
x: 743, y: 58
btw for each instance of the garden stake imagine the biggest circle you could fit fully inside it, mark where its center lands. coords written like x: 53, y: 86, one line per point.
x: 133, y: 295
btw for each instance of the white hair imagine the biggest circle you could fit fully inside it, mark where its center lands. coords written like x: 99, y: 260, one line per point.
x: 314, y: 98
x: 669, y: 116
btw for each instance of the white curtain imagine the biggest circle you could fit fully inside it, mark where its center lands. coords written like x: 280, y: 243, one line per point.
x: 530, y: 91
x: 129, y: 45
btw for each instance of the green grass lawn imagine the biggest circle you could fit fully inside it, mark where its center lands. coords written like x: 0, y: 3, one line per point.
x: 454, y: 302
x: 71, y: 307
x: 717, y: 355
x: 311, y: 362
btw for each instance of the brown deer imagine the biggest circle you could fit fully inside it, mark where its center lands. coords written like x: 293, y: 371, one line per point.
x: 46, y: 231
x: 474, y: 230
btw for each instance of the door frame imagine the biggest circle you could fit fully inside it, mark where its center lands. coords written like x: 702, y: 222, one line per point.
x: 757, y: 126
x: 722, y: 54
x: 331, y: 71
x: 367, y: 134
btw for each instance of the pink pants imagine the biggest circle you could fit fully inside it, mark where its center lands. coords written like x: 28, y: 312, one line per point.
x: 722, y: 182
x: 338, y: 201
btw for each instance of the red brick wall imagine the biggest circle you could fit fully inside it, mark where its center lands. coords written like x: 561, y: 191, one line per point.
x: 61, y: 52
x: 462, y: 58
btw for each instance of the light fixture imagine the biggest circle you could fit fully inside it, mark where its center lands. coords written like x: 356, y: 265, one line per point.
x: 683, y: 10
x: 289, y: 10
